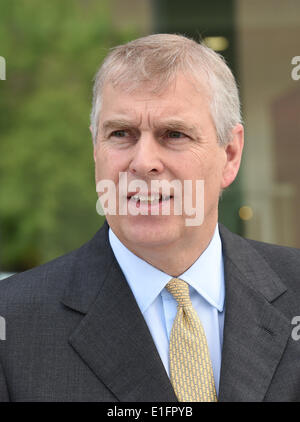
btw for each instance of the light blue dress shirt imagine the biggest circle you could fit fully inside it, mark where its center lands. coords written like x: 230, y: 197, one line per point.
x: 207, y: 291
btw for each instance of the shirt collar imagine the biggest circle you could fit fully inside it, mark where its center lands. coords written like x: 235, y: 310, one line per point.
x: 145, y: 281
x: 206, y: 275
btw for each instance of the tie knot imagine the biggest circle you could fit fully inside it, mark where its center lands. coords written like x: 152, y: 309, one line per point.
x: 180, y: 291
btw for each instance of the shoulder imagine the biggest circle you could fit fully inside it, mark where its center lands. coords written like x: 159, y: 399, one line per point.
x: 47, y: 282
x: 276, y: 253
x: 282, y: 260
x: 44, y: 280
x: 271, y: 252
x: 31, y: 301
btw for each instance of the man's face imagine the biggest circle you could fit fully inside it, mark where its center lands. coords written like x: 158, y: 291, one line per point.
x: 163, y: 136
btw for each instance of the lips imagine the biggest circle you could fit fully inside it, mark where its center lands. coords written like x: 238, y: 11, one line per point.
x: 146, y: 198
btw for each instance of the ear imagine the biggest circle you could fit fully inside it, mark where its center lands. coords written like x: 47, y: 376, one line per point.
x: 233, y: 151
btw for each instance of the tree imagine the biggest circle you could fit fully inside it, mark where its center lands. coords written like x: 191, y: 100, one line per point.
x: 47, y: 194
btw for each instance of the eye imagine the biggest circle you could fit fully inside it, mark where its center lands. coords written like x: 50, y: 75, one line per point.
x: 174, y: 134
x: 119, y: 133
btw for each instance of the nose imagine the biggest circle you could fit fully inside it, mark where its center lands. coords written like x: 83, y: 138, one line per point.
x: 147, y: 158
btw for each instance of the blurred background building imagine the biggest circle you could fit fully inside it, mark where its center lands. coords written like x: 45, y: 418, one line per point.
x: 52, y: 51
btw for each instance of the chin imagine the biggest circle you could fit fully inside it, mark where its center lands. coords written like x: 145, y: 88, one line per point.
x: 148, y: 232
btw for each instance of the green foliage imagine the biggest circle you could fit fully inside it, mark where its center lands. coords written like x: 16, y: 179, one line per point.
x: 47, y: 188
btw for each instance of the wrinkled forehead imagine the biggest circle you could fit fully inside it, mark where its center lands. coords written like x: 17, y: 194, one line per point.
x: 158, y: 87
x: 182, y: 105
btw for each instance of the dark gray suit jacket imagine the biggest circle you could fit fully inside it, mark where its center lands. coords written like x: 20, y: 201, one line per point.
x: 75, y: 333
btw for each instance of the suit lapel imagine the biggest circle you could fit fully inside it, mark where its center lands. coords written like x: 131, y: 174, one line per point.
x: 113, y: 338
x: 255, y: 332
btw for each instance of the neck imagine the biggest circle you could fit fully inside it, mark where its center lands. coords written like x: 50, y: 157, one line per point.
x: 175, y: 259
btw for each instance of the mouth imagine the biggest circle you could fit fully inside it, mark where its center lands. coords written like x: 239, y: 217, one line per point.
x: 148, y: 199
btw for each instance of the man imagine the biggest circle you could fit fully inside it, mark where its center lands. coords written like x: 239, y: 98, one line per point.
x: 157, y: 307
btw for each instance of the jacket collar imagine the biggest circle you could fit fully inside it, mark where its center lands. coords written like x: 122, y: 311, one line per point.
x: 114, y: 340
x: 255, y: 332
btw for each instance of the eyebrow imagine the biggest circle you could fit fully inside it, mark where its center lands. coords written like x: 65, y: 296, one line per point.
x: 180, y: 125
x: 117, y: 123
x: 170, y: 124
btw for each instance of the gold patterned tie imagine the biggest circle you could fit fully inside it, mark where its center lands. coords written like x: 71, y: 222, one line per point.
x: 190, y: 365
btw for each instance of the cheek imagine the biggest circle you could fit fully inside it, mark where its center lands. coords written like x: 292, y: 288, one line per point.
x: 209, y: 169
x: 109, y: 163
x: 194, y: 167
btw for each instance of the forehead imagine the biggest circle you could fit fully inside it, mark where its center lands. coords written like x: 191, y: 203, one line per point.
x: 184, y: 96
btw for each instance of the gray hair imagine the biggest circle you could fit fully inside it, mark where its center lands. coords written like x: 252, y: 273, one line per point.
x: 157, y: 59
